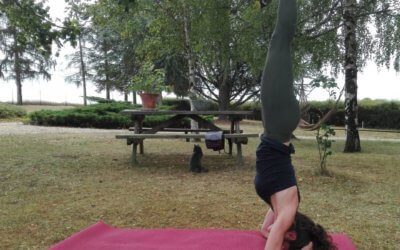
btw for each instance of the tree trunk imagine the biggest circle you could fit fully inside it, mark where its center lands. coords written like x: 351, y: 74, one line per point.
x: 351, y: 107
x: 134, y: 97
x: 189, y: 58
x: 126, y: 96
x: 83, y: 70
x: 19, y: 88
x: 17, y: 69
x: 223, y: 97
x: 107, y: 92
x: 107, y: 77
x: 224, y: 91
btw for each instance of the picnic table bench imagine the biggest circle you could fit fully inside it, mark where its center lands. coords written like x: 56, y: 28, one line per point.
x: 185, y: 130
x: 233, y: 135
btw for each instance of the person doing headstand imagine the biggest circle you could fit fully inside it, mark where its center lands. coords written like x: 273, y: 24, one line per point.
x: 275, y: 180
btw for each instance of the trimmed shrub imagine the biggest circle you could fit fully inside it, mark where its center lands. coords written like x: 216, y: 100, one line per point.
x: 383, y: 115
x: 176, y: 104
x: 99, y: 99
x: 75, y: 118
x: 374, y: 114
x: 10, y: 111
x: 386, y: 115
x: 184, y: 104
x: 255, y: 107
x: 102, y: 115
x: 213, y: 106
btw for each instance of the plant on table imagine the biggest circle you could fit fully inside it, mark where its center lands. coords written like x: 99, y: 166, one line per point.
x: 149, y: 80
x: 149, y: 83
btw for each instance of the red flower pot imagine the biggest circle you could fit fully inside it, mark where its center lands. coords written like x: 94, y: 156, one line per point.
x: 149, y: 101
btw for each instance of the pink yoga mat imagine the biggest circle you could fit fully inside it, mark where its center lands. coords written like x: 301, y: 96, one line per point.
x: 103, y: 237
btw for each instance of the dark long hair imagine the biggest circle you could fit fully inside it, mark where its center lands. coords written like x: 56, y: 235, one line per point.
x: 308, y: 231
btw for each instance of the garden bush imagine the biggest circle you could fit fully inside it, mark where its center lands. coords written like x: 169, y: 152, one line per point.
x: 176, y: 104
x: 255, y: 107
x: 184, y: 104
x: 101, y: 115
x: 10, y: 111
x: 99, y: 99
x: 374, y: 114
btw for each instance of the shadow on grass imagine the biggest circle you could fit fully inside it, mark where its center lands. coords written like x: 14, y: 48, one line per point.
x: 180, y: 162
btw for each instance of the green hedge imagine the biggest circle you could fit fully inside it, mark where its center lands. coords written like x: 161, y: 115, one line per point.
x: 255, y: 107
x: 374, y: 114
x: 383, y: 115
x: 10, y: 111
x: 176, y: 104
x: 102, y: 115
x: 184, y: 104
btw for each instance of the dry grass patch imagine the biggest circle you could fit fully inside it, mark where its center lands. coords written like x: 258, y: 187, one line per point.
x: 54, y: 185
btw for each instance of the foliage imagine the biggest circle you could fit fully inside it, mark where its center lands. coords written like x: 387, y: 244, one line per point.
x: 184, y: 104
x: 26, y: 39
x: 374, y: 114
x: 77, y: 14
x: 10, y: 111
x: 102, y: 115
x: 255, y: 107
x: 176, y: 104
x: 176, y: 74
x: 321, y: 81
x: 114, y: 60
x: 324, y: 143
x: 78, y: 59
x: 27, y: 35
x: 218, y: 61
x: 149, y: 80
x: 99, y: 99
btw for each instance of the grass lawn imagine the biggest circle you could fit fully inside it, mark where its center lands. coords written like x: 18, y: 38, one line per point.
x: 52, y: 186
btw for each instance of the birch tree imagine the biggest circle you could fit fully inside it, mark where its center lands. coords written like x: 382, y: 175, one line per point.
x: 351, y: 70
x: 346, y: 29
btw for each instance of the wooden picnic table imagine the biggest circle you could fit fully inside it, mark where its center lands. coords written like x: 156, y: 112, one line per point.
x: 141, y: 133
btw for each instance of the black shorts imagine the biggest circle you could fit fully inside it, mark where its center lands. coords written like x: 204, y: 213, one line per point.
x: 274, y: 169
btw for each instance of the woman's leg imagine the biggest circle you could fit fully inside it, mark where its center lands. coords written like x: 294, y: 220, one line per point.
x: 280, y: 109
x: 281, y: 112
x: 285, y: 205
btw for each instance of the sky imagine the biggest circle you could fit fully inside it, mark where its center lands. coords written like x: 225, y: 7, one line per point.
x: 373, y: 83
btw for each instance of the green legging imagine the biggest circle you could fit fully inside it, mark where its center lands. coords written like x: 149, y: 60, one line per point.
x: 280, y: 109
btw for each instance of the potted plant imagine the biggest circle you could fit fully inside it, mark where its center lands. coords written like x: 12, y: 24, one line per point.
x: 149, y: 83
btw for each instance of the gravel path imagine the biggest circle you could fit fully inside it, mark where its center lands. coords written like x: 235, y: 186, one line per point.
x: 18, y: 128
